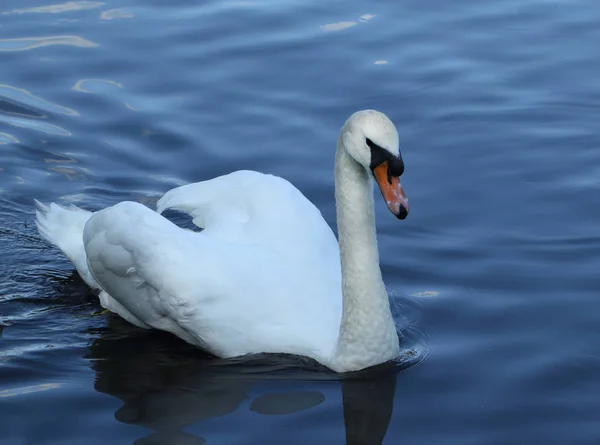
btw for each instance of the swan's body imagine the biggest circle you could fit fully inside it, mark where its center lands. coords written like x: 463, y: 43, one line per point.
x: 265, y: 273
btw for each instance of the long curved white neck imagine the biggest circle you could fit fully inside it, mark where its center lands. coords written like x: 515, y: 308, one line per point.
x: 367, y: 334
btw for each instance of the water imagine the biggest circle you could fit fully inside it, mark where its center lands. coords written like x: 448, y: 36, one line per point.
x: 494, y: 272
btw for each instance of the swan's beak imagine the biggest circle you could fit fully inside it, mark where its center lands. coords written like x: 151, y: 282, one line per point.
x: 392, y: 190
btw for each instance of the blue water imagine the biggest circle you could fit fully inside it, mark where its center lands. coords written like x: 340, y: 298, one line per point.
x: 494, y: 273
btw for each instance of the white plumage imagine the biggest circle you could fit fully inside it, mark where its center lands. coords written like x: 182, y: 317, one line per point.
x: 263, y: 276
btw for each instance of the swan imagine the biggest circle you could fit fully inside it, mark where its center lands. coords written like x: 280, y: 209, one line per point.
x: 266, y: 274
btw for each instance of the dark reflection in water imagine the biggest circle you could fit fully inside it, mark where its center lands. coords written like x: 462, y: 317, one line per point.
x: 166, y: 386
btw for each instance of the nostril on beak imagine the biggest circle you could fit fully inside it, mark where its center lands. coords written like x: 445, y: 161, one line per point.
x: 402, y: 213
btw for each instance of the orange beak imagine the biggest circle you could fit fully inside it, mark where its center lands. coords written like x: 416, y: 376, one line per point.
x: 392, y: 191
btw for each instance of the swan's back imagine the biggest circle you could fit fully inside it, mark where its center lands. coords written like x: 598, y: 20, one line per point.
x: 264, y: 275
x: 252, y: 207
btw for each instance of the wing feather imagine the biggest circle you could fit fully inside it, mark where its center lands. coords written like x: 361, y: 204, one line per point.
x: 129, y: 248
x: 274, y: 267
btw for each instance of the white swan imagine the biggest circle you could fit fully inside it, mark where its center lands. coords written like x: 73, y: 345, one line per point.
x: 265, y: 273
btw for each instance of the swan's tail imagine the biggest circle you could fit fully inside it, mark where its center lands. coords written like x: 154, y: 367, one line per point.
x: 63, y: 227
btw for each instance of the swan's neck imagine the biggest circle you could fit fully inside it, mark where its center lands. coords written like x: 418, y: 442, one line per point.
x: 367, y: 334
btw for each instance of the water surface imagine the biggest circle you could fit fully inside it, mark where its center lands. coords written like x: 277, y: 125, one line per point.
x: 493, y: 275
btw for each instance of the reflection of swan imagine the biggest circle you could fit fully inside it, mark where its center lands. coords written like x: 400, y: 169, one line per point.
x: 264, y: 275
x: 171, y: 388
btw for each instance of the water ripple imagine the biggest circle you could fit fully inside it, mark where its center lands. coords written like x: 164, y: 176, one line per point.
x: 23, y: 97
x: 27, y: 43
x: 338, y: 26
x: 56, y: 9
x: 95, y: 86
x: 28, y: 389
x: 40, y: 126
x: 6, y: 138
x: 115, y: 14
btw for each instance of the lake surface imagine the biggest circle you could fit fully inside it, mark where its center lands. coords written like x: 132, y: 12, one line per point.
x: 494, y: 275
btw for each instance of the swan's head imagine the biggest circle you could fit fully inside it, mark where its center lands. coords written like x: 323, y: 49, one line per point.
x: 371, y: 139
